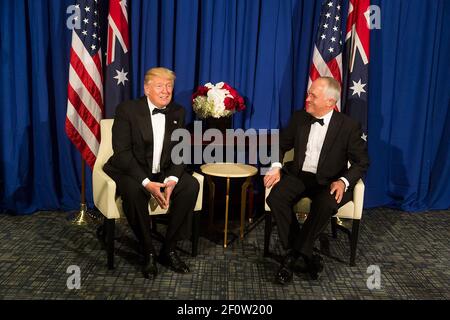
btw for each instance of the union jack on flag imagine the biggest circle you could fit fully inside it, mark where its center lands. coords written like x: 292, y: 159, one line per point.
x: 357, y: 42
x: 327, y: 55
x: 85, y: 87
x: 117, y: 83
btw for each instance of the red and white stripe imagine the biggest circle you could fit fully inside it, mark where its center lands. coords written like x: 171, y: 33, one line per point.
x: 320, y: 68
x: 85, y: 100
x: 117, y: 29
x: 358, y: 30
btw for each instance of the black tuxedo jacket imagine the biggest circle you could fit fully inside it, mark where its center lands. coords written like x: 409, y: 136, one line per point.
x: 132, y: 141
x: 342, y: 143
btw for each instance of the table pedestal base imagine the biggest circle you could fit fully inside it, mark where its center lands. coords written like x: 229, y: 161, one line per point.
x: 247, y: 185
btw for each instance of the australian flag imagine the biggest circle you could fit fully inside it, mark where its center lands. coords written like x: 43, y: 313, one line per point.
x: 356, y: 75
x: 117, y: 77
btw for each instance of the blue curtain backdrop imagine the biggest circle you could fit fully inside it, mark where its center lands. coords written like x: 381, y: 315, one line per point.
x: 263, y: 48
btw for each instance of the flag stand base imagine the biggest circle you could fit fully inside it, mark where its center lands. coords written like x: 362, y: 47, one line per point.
x: 80, y: 218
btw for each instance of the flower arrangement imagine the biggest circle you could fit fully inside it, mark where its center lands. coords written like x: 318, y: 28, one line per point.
x: 216, y: 101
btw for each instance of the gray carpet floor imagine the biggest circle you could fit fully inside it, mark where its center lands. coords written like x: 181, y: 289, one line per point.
x: 411, y: 251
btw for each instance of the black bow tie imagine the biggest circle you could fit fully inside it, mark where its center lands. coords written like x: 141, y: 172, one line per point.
x: 157, y: 110
x: 314, y: 120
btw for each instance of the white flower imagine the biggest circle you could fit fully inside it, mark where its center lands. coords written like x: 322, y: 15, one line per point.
x: 212, y: 105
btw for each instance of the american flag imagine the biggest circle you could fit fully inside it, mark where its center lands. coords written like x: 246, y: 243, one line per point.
x: 327, y: 56
x: 85, y: 88
x: 357, y: 43
x: 117, y: 84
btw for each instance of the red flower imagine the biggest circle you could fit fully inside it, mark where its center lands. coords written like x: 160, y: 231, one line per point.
x: 241, y: 106
x: 237, y: 103
x: 227, y: 86
x: 230, y: 103
x: 211, y: 107
x: 201, y: 91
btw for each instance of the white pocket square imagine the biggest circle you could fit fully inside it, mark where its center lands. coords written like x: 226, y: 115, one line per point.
x: 175, y: 122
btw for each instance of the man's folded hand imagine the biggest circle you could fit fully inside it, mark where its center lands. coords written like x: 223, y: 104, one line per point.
x: 170, y: 185
x: 155, y: 190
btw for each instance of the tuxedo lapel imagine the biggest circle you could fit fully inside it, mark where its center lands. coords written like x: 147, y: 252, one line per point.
x: 303, y: 133
x: 332, y: 133
x: 145, y: 121
x: 167, y: 133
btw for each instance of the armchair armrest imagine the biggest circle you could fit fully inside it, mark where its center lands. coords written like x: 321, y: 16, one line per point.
x: 104, y: 189
x: 267, y: 192
x: 358, y: 199
x: 199, y: 203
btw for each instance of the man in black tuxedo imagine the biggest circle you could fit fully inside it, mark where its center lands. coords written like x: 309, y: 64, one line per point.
x: 142, y: 168
x: 324, y: 141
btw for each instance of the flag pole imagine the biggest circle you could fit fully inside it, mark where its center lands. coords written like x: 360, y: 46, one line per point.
x: 81, y: 218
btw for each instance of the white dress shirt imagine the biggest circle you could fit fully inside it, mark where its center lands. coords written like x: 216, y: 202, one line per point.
x: 314, y: 147
x: 315, y: 142
x: 159, y: 129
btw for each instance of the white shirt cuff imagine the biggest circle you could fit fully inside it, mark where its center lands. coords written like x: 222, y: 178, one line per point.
x: 276, y: 165
x: 145, y: 182
x: 347, y: 184
x: 173, y: 178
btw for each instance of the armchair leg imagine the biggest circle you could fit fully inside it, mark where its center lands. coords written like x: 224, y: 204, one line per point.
x: 267, y: 232
x: 354, y: 241
x: 101, y: 235
x: 195, y: 232
x: 109, y: 233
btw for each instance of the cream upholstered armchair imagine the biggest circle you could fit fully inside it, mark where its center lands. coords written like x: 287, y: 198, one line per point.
x: 351, y: 212
x: 110, y: 205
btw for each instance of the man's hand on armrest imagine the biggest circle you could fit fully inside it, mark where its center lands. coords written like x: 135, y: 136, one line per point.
x: 273, y: 176
x: 338, y: 187
x: 347, y: 184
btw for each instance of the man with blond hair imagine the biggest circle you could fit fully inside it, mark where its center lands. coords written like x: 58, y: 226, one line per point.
x: 142, y: 168
x: 324, y: 141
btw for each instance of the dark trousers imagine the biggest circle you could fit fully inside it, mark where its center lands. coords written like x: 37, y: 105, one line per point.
x: 135, y: 200
x: 286, y: 193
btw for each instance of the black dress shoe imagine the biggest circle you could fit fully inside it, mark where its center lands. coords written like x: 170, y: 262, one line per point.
x: 300, y: 266
x: 150, y: 270
x: 173, y: 261
x: 315, y: 266
x: 285, y: 274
